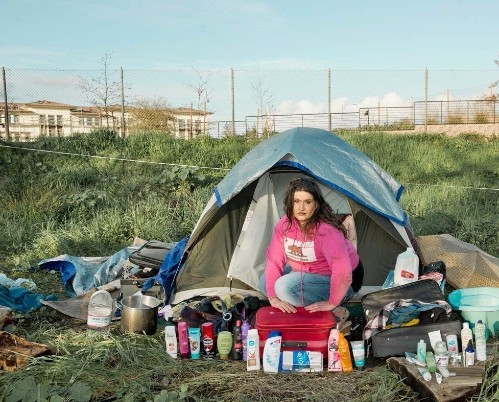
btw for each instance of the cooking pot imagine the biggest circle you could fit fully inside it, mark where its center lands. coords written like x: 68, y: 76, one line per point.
x: 139, y: 313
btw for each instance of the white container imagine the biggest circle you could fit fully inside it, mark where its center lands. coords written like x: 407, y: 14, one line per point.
x: 271, y: 352
x: 253, y: 350
x: 480, y: 341
x: 100, y: 307
x: 333, y: 352
x: 421, y: 351
x: 452, y: 345
x: 406, y: 267
x: 441, y: 354
x: 466, y: 335
x: 171, y: 341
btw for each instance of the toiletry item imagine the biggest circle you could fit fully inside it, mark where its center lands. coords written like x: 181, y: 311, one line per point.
x: 208, y: 340
x: 435, y: 336
x: 421, y: 351
x: 244, y: 337
x: 194, y: 342
x: 430, y: 362
x: 224, y: 344
x: 333, y: 355
x: 466, y: 336
x: 452, y: 345
x: 237, y: 343
x: 439, y: 378
x: 424, y: 373
x: 253, y: 350
x: 413, y: 359
x: 359, y: 355
x: 469, y: 355
x: 171, y: 341
x: 480, y: 341
x: 406, y: 267
x: 183, y: 339
x: 443, y: 370
x: 271, y: 352
x: 441, y: 354
x: 344, y: 349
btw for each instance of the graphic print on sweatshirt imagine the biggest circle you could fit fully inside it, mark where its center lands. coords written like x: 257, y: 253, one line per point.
x: 299, y: 251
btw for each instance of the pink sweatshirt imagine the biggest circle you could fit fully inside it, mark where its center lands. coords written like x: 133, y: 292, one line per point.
x: 327, y: 253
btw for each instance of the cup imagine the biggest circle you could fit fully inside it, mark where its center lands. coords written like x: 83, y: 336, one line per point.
x: 359, y: 355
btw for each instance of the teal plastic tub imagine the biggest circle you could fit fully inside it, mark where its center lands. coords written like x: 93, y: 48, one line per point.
x: 478, y: 304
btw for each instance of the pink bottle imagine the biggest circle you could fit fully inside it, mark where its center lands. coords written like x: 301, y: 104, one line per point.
x: 183, y: 339
x: 333, y: 358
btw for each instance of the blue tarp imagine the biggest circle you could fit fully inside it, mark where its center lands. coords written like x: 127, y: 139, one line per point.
x: 22, y: 300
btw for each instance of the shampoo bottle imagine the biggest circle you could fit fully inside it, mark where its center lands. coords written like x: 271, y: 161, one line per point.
x: 171, y: 341
x: 333, y: 355
x: 271, y: 352
x: 346, y: 358
x: 253, y: 350
x: 224, y: 344
x: 466, y: 335
x: 183, y: 339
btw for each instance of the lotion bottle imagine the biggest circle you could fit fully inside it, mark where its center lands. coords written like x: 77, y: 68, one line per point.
x: 271, y: 352
x: 346, y: 358
x: 333, y: 353
x: 466, y: 335
x: 224, y: 344
x: 253, y: 350
x: 171, y: 341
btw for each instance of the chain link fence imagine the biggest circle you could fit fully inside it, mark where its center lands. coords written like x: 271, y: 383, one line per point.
x: 191, y: 102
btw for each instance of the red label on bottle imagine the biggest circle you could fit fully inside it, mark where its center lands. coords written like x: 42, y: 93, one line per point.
x: 406, y: 274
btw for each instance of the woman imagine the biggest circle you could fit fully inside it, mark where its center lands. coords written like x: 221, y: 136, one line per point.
x: 309, y: 259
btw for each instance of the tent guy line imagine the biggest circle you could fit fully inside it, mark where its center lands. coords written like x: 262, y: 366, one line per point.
x: 112, y: 158
x: 206, y: 167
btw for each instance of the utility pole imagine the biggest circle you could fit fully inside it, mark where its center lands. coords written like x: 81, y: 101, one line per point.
x: 6, y: 114
x: 329, y: 99
x: 232, y: 102
x: 123, y: 126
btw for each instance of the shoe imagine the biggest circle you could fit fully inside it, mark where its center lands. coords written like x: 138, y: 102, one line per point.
x: 346, y: 327
x: 342, y: 315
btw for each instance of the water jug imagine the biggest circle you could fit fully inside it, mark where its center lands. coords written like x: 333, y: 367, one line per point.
x: 406, y: 267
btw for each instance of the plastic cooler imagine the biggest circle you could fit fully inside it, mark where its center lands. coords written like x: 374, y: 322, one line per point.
x: 300, y: 330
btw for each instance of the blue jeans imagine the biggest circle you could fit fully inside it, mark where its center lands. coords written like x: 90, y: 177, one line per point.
x: 301, y: 288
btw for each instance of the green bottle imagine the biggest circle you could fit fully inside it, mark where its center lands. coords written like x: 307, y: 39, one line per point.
x: 224, y: 344
x: 430, y: 362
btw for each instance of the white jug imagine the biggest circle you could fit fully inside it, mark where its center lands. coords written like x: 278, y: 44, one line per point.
x: 406, y: 267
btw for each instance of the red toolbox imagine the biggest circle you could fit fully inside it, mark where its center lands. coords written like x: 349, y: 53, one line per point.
x: 300, y: 330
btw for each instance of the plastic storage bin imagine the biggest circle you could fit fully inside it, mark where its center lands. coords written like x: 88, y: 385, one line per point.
x: 478, y: 304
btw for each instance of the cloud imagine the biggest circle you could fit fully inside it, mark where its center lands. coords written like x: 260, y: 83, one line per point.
x: 300, y: 107
x: 27, y: 56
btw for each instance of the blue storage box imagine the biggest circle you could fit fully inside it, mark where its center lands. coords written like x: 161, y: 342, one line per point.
x: 478, y: 304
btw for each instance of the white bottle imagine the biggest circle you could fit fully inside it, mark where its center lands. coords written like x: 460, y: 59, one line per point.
x: 406, y: 267
x: 421, y: 351
x: 171, y: 341
x: 480, y: 341
x: 441, y: 354
x: 466, y: 336
x: 253, y: 350
x: 100, y: 307
x: 333, y: 352
x: 452, y: 345
x: 271, y: 352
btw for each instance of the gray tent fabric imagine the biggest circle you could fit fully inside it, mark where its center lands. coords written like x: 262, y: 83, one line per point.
x: 227, y: 248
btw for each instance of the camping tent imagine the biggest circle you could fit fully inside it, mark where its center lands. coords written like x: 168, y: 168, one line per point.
x: 227, y: 248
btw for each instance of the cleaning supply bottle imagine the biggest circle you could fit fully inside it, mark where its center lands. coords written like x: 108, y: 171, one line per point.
x: 421, y: 351
x: 469, y: 355
x: 253, y: 350
x: 441, y: 354
x: 224, y: 344
x: 466, y: 336
x: 406, y: 267
x: 430, y: 362
x: 237, y: 343
x: 271, y: 352
x: 100, y: 308
x: 480, y: 341
x: 344, y: 349
x: 333, y: 354
x: 244, y: 338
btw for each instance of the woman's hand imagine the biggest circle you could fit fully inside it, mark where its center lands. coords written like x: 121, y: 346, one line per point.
x: 320, y: 306
x: 285, y: 307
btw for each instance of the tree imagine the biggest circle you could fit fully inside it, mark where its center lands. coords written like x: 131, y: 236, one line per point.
x: 263, y: 96
x: 152, y: 115
x: 102, y: 90
x: 200, y: 87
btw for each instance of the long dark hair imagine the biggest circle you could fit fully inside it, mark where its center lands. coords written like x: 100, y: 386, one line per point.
x: 323, y: 212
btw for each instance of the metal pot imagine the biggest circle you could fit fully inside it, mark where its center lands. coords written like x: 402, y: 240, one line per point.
x: 139, y: 313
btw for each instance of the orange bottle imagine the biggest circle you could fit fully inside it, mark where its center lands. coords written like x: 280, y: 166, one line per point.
x: 345, y: 357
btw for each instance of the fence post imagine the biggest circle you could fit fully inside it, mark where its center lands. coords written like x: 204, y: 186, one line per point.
x: 123, y: 127
x: 232, y: 100
x: 6, y: 114
x: 426, y: 101
x: 329, y: 99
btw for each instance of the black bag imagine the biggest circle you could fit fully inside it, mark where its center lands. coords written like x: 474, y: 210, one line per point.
x: 397, y: 341
x: 151, y: 255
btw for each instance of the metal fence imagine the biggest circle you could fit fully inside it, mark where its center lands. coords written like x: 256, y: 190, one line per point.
x: 251, y: 102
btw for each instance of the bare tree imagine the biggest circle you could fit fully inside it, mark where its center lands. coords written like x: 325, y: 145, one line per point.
x: 200, y: 87
x: 264, y: 97
x: 102, y: 90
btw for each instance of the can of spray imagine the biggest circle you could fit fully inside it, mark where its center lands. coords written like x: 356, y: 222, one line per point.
x: 208, y: 340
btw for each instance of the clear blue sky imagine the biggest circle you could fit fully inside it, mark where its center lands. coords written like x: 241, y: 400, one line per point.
x: 314, y: 34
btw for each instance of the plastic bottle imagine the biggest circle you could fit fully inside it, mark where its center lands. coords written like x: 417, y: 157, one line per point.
x: 333, y: 355
x: 406, y: 267
x: 171, y: 341
x: 441, y: 354
x: 183, y: 339
x: 253, y: 350
x: 346, y: 358
x: 421, y: 351
x: 480, y: 341
x: 452, y: 345
x: 271, y: 352
x: 237, y: 343
x: 100, y: 308
x: 469, y: 355
x: 244, y: 338
x: 466, y: 336
x: 430, y: 362
x: 224, y: 344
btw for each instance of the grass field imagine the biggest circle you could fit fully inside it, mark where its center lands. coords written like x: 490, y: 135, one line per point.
x: 98, y: 193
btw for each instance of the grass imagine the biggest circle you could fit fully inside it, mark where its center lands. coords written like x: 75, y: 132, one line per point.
x: 61, y: 204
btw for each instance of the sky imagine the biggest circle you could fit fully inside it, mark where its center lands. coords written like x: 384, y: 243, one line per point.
x: 252, y: 34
